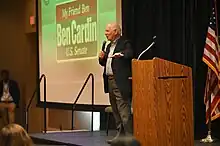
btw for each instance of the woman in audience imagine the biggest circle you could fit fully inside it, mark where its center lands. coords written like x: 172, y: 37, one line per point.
x: 125, y: 141
x: 14, y: 135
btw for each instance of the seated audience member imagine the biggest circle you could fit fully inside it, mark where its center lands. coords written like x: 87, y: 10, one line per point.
x: 9, y: 98
x: 125, y: 141
x: 14, y: 135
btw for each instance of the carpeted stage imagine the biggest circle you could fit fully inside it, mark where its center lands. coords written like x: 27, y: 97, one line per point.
x: 83, y: 138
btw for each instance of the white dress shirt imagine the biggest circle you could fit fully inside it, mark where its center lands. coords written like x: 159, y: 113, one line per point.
x: 109, y: 59
x: 6, y: 94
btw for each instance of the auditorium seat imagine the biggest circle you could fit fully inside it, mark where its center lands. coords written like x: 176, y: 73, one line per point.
x: 108, y: 110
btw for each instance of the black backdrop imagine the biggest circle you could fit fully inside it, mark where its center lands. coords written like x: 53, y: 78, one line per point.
x: 180, y: 27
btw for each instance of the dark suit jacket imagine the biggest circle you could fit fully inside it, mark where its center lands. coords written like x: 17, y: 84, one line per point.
x: 121, y: 67
x: 13, y: 89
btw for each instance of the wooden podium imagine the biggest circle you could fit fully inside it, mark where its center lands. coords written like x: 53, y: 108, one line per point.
x: 162, y: 103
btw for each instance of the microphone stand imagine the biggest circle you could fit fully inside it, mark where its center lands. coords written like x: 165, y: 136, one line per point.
x: 146, y: 50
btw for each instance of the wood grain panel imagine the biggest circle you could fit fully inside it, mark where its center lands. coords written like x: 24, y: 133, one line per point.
x: 163, y: 108
x: 166, y: 68
x: 142, y: 81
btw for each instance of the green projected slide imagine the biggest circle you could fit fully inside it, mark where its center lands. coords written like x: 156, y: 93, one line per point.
x: 71, y: 33
x: 75, y: 28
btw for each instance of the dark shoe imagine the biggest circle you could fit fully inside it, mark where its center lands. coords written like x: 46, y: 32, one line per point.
x: 118, y: 134
x: 111, y: 140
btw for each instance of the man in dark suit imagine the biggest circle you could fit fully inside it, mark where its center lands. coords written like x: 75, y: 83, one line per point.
x: 116, y: 60
x: 9, y: 97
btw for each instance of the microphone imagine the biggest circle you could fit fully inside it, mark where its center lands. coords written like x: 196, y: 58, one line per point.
x: 103, y: 46
x: 154, y: 41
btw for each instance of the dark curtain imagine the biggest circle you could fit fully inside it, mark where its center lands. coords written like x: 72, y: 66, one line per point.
x: 167, y: 20
x: 180, y: 27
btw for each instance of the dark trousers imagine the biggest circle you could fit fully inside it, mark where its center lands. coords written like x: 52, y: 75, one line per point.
x: 121, y: 107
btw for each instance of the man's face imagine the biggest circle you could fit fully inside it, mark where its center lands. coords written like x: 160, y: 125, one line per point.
x: 5, y: 76
x: 110, y: 33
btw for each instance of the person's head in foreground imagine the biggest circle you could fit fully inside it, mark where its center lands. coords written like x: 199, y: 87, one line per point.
x: 14, y: 135
x: 125, y: 141
x: 112, y: 31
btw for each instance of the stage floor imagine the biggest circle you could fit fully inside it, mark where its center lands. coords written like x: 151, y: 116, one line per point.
x: 84, y: 138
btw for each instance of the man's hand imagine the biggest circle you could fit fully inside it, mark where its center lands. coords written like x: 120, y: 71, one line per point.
x: 101, y: 54
x: 117, y: 55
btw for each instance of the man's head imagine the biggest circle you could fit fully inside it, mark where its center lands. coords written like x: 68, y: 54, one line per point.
x: 5, y: 75
x: 112, y: 31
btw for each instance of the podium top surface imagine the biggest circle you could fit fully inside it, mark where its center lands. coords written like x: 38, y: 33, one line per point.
x: 162, y: 68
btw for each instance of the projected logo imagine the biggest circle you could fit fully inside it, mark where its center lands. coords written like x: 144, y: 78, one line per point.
x: 76, y: 30
x: 46, y: 2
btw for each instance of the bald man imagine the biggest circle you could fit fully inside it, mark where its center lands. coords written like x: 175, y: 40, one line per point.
x: 116, y: 60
